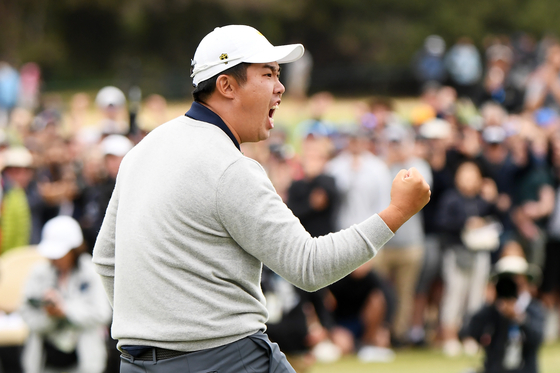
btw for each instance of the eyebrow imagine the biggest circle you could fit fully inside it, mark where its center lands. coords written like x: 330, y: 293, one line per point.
x: 273, y: 68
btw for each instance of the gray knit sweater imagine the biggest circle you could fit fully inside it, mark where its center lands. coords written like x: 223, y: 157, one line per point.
x: 190, y: 221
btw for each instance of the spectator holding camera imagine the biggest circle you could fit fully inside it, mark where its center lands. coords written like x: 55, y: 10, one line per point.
x: 65, y: 306
x: 511, y: 328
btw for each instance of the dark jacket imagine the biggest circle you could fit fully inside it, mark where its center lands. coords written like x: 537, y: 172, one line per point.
x: 493, y: 330
x: 317, y: 223
x: 455, y: 209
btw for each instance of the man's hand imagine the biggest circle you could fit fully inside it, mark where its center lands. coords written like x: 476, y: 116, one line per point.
x: 53, y: 304
x: 318, y: 199
x: 409, y: 194
x: 507, y: 308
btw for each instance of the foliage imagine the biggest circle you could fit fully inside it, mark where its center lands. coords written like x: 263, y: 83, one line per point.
x: 82, y: 38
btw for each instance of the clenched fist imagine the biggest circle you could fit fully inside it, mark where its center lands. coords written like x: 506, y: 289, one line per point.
x: 409, y: 194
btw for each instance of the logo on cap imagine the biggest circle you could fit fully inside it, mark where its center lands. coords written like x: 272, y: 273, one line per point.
x: 224, y: 57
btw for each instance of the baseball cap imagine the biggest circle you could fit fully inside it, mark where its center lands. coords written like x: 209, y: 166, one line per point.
x: 396, y: 133
x: 435, y: 129
x: 544, y: 117
x: 494, y: 134
x: 499, y: 52
x: 231, y: 45
x: 316, y: 128
x: 117, y: 145
x: 421, y: 114
x: 59, y: 236
x: 110, y: 96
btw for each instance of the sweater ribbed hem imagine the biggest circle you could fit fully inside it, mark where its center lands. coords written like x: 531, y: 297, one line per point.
x: 185, y: 346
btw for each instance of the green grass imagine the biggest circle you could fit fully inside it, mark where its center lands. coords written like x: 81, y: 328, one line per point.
x: 430, y: 361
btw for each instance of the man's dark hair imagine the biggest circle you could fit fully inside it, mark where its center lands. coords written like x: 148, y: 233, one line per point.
x: 207, y: 87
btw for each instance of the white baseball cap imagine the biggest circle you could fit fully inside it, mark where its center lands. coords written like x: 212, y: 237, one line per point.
x: 231, y: 45
x: 117, y: 145
x: 494, y: 134
x: 110, y: 96
x: 59, y: 236
x: 435, y: 129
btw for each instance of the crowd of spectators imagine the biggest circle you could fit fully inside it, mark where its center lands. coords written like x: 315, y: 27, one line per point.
x: 485, y: 134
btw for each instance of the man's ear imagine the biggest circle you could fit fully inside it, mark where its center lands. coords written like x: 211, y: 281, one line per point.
x: 226, y: 85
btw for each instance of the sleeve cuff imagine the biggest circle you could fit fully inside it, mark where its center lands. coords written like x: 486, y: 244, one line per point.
x: 375, y: 231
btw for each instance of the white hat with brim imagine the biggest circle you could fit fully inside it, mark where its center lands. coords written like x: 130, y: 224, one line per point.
x: 516, y: 265
x: 117, y: 145
x: 19, y: 157
x: 59, y: 236
x: 228, y: 46
x: 435, y: 129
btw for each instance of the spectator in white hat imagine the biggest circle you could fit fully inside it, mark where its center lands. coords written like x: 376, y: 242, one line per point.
x: 192, y: 220
x: 511, y: 329
x: 111, y: 101
x: 16, y: 223
x: 114, y: 148
x: 64, y: 306
x: 95, y: 197
x: 496, y: 163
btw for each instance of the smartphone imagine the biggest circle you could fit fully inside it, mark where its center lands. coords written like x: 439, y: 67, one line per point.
x: 38, y: 303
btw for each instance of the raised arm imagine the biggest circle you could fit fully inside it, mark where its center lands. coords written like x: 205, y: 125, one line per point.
x: 258, y: 220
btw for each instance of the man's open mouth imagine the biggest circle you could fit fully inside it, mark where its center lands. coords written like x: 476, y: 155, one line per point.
x: 272, y: 110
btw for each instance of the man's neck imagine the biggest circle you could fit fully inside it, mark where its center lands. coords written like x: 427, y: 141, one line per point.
x: 222, y: 113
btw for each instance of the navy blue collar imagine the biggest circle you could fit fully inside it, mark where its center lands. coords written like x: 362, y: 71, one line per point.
x: 202, y: 113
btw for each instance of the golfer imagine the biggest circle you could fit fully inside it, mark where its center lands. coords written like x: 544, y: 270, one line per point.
x: 192, y: 220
